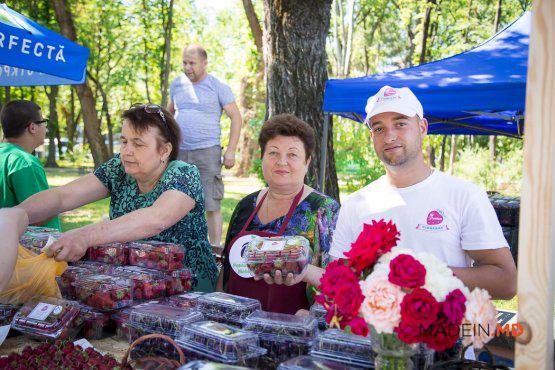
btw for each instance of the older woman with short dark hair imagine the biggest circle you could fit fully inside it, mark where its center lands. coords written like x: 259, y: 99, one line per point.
x: 153, y: 196
x: 286, y: 207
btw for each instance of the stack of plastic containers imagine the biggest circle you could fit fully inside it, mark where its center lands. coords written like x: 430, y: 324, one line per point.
x: 68, y: 277
x: 312, y: 363
x: 227, y: 308
x: 48, y: 318
x: 156, y: 255
x: 186, y: 300
x: 213, y: 341
x: 319, y: 313
x: 112, y: 253
x: 7, y: 312
x: 180, y: 281
x: 147, y: 284
x: 353, y: 350
x: 267, y: 255
x: 284, y: 336
x: 104, y: 292
x: 36, y: 241
x: 95, y: 323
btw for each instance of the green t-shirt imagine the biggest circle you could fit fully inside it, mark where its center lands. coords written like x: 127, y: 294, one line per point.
x: 21, y: 175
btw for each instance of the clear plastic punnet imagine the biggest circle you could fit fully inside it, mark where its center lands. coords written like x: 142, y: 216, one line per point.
x: 312, y: 363
x: 94, y: 323
x: 319, y: 313
x: 112, y: 253
x: 208, y: 365
x: 186, y: 300
x: 227, y: 308
x: 180, y: 281
x: 104, y: 292
x: 289, y: 254
x: 121, y: 319
x: 7, y: 312
x: 273, y: 323
x: 68, y: 277
x: 163, y: 319
x: 156, y: 255
x: 36, y: 241
x: 41, y: 229
x: 219, y: 342
x: 284, y: 336
x: 351, y: 349
x: 48, y: 318
x: 95, y: 267
x: 147, y: 283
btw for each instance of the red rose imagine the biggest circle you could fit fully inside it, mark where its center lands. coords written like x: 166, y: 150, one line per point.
x: 348, y: 298
x: 441, y: 335
x: 409, y: 332
x: 419, y: 308
x: 357, y: 325
x: 454, y: 307
x: 373, y: 241
x: 407, y: 272
x: 336, y: 274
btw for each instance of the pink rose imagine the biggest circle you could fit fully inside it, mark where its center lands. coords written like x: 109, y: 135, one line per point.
x: 482, y: 315
x: 382, y: 304
x: 407, y: 272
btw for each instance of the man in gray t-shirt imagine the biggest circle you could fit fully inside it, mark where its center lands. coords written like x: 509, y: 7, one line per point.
x: 197, y: 100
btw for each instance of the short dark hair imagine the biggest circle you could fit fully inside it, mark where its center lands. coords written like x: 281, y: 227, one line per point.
x: 141, y: 120
x: 16, y: 116
x: 287, y: 125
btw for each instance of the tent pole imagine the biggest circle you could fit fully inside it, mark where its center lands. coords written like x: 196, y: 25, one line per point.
x: 323, y: 153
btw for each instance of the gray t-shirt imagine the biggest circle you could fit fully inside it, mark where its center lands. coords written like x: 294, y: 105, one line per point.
x: 198, y: 109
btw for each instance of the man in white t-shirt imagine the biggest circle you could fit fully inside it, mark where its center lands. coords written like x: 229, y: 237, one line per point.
x: 434, y: 212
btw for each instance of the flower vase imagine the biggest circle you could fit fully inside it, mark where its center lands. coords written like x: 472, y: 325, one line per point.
x: 391, y: 352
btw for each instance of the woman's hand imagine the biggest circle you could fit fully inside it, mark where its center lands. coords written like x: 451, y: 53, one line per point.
x: 71, y: 246
x: 288, y: 280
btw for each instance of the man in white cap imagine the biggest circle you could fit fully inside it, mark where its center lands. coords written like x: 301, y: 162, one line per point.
x: 434, y: 212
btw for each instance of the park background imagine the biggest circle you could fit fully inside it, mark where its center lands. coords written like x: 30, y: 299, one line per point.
x: 135, y: 52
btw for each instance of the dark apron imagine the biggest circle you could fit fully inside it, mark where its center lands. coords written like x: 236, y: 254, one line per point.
x: 274, y: 298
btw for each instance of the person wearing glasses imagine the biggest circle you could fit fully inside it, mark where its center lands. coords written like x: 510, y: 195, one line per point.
x: 153, y: 196
x: 21, y: 174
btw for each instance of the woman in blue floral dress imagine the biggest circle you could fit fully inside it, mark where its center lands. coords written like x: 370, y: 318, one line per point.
x: 154, y: 196
x: 286, y: 207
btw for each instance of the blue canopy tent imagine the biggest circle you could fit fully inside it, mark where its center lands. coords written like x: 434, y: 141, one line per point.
x: 479, y: 92
x: 32, y: 55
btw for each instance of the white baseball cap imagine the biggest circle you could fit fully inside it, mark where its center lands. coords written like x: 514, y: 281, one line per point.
x: 390, y: 99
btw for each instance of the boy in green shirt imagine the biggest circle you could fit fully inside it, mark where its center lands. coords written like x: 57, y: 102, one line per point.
x: 21, y: 174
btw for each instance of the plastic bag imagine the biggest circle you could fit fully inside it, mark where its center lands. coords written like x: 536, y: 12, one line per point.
x: 33, y: 275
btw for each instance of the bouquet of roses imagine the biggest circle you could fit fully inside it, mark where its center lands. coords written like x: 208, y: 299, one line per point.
x: 404, y: 296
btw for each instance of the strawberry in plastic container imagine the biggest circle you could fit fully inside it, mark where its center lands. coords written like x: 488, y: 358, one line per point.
x: 103, y: 292
x: 94, y: 323
x: 180, y: 281
x: 156, y: 255
x: 147, y: 283
x: 66, y: 280
x: 112, y: 253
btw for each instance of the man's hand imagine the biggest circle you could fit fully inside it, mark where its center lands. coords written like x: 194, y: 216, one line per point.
x: 71, y: 246
x: 229, y: 159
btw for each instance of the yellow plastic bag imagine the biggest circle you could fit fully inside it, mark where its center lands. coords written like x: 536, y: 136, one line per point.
x: 33, y: 275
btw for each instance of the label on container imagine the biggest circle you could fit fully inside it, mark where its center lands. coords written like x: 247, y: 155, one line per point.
x: 219, y: 329
x: 42, y: 311
x: 272, y: 245
x: 237, y: 256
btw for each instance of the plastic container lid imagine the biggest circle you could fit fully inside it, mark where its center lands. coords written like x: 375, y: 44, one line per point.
x: 340, y: 346
x: 162, y: 318
x: 227, y: 307
x: 46, y: 317
x: 36, y: 241
x: 290, y: 254
x: 104, y: 292
x: 312, y: 363
x: 206, y: 365
x: 112, y: 253
x: 281, y: 324
x: 96, y: 267
x: 156, y: 255
x: 220, y: 342
x: 319, y: 313
x: 186, y: 300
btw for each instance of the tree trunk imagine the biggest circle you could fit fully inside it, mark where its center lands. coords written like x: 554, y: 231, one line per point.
x: 453, y: 156
x: 52, y: 125
x: 254, y: 23
x: 88, y: 104
x: 106, y: 112
x: 296, y: 71
x: 59, y: 140
x: 442, y: 154
x: 71, y: 121
x: 425, y: 29
x: 349, y: 41
x: 146, y: 51
x: 167, y: 54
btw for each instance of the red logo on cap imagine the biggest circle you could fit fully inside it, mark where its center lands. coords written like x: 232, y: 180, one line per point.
x: 389, y: 91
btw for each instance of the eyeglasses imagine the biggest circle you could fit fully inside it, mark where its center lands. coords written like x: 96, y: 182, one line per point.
x: 153, y: 109
x: 41, y: 122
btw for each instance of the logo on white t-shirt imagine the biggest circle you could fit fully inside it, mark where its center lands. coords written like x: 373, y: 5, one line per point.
x: 435, y: 221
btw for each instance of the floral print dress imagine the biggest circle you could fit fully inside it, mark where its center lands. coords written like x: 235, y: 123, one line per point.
x: 314, y: 218
x: 191, y: 231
